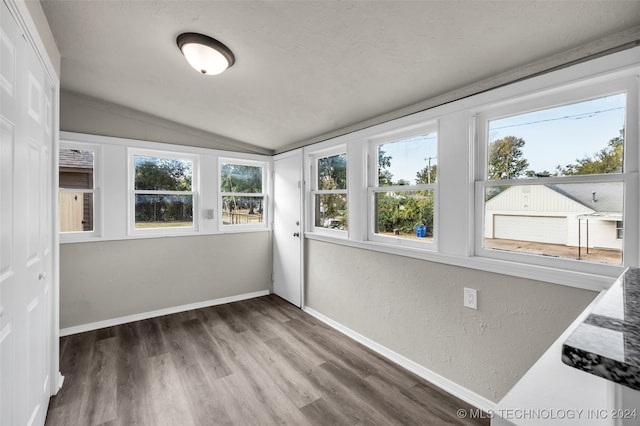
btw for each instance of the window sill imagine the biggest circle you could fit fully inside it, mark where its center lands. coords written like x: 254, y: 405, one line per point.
x: 95, y: 239
x: 565, y: 277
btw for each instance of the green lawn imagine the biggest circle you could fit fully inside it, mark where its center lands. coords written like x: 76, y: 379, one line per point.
x: 148, y: 225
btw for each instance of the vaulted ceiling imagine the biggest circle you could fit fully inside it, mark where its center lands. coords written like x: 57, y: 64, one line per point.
x: 305, y: 68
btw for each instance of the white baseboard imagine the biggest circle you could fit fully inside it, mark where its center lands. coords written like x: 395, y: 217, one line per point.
x: 432, y: 377
x: 158, y: 313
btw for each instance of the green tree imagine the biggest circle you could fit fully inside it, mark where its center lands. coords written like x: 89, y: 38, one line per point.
x: 245, y: 179
x: 385, y: 178
x: 607, y: 160
x: 332, y: 174
x: 505, y: 158
x: 163, y: 174
x: 427, y: 175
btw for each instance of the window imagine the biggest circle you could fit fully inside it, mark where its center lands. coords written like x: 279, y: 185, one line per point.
x: 242, y: 193
x: 553, y: 181
x: 402, y: 194
x: 619, y: 230
x: 163, y: 191
x: 329, y: 191
x: 77, y: 194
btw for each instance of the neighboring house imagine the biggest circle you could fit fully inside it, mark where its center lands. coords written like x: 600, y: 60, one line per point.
x: 589, y: 215
x: 76, y: 172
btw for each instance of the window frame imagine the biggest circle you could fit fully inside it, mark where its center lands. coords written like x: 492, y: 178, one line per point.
x: 567, y: 94
x: 313, y: 158
x: 132, y: 192
x: 73, y: 236
x: 227, y: 228
x: 373, y: 188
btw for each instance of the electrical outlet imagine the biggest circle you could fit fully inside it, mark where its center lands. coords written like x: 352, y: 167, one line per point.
x: 471, y: 298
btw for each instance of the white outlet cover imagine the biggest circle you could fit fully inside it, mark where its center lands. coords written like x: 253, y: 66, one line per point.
x: 471, y: 298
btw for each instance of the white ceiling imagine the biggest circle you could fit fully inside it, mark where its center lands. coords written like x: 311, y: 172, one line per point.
x: 309, y: 67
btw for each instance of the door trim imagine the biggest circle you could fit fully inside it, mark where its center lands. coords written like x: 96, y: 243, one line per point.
x: 298, y: 151
x: 21, y: 14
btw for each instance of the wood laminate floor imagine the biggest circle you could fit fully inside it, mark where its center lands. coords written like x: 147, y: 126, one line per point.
x: 256, y: 362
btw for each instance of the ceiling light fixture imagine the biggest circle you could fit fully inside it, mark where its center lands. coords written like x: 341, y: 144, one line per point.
x: 205, y: 54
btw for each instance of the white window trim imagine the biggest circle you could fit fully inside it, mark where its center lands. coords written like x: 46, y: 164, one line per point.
x: 569, y: 93
x: 195, y: 182
x: 312, y: 164
x: 373, y: 188
x: 230, y: 228
x: 456, y: 121
x: 67, y: 237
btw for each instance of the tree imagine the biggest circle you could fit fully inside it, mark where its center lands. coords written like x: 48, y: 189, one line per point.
x: 607, y: 160
x: 385, y: 178
x: 505, y: 158
x: 163, y: 174
x: 244, y: 179
x: 332, y: 174
x: 427, y: 175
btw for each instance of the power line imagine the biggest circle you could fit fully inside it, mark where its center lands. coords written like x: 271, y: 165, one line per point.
x: 566, y: 117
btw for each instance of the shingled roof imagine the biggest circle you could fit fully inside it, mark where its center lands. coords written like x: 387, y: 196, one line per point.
x: 602, y: 197
x: 76, y: 158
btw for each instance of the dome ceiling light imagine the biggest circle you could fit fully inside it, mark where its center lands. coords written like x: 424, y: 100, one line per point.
x: 205, y: 54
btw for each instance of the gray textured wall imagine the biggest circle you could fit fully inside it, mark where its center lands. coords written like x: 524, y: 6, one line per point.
x: 111, y: 279
x: 84, y: 114
x: 414, y: 308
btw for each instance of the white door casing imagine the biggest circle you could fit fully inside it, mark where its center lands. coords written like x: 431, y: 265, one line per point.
x: 26, y: 141
x: 287, y: 227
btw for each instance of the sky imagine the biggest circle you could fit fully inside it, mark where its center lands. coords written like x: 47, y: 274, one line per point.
x: 410, y: 156
x: 561, y: 135
x: 555, y: 136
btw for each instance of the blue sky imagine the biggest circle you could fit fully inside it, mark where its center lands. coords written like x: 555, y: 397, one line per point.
x: 556, y: 136
x: 559, y: 136
x: 411, y: 156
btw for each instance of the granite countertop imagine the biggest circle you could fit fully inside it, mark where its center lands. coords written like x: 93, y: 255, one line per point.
x: 607, y: 342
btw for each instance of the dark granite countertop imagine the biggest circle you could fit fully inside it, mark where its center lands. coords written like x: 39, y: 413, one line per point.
x: 607, y: 343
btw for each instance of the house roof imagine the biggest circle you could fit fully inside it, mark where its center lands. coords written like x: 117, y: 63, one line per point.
x: 76, y: 158
x: 602, y: 197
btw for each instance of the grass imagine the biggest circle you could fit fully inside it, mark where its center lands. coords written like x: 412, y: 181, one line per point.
x: 152, y: 225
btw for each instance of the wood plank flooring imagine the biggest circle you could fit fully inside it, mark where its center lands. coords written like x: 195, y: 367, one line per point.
x: 256, y: 362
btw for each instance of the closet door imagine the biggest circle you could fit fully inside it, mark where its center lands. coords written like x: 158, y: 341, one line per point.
x: 25, y: 227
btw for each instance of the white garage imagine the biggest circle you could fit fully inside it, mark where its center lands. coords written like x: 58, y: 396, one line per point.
x: 542, y: 229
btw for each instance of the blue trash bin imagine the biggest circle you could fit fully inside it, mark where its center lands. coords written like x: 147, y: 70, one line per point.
x: 421, y: 231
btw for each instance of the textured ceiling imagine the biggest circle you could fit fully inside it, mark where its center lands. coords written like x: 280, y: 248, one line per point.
x: 309, y: 67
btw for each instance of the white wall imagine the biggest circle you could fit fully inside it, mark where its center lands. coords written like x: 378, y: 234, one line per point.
x: 415, y: 308
x: 84, y: 114
x: 112, y: 279
x: 411, y: 300
x: 44, y: 31
x: 115, y: 275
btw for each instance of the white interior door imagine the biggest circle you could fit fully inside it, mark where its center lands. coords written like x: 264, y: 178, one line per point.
x: 287, y: 226
x: 25, y: 225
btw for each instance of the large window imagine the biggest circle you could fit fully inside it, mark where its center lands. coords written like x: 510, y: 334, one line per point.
x: 242, y: 193
x: 402, y: 193
x: 329, y: 191
x: 553, y: 180
x: 77, y: 194
x: 163, y: 190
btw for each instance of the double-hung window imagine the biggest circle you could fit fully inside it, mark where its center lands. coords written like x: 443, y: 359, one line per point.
x: 163, y: 191
x: 243, y: 200
x: 402, y: 190
x: 555, y: 178
x: 78, y: 189
x: 329, y: 190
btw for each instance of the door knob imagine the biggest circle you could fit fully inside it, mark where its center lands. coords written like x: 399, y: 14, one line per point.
x: 42, y: 276
x: 1, y: 311
x: 296, y: 234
